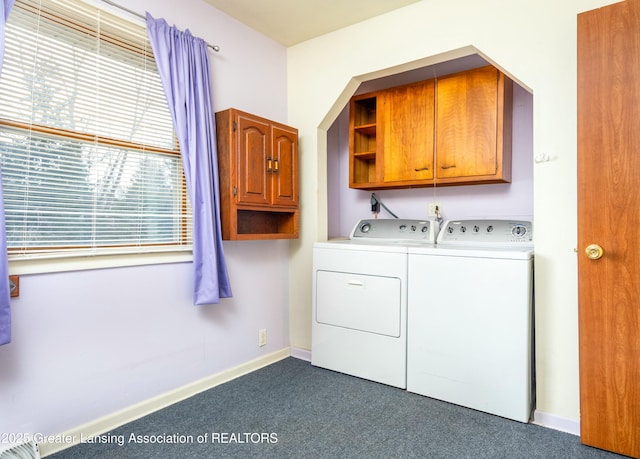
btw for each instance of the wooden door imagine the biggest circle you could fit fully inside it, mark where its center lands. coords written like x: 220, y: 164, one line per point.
x: 609, y: 216
x: 254, y: 152
x: 284, y: 166
x: 408, y: 133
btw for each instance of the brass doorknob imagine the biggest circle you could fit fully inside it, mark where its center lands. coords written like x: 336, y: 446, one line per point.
x: 594, y: 251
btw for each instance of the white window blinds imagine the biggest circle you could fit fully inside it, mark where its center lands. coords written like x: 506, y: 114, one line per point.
x: 88, y: 154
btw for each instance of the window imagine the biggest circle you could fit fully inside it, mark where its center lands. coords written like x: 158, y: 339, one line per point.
x: 89, y: 160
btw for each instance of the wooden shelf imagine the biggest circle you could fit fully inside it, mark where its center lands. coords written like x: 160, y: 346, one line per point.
x: 365, y: 155
x: 368, y: 129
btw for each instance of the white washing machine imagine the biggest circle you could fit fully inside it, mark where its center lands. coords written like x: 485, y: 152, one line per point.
x: 359, y: 323
x: 470, y: 317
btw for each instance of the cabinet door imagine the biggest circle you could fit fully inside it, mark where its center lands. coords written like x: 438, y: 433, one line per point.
x: 466, y: 124
x: 284, y: 164
x: 408, y: 133
x: 254, y: 145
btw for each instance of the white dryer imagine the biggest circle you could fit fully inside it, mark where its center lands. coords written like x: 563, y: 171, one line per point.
x: 470, y: 317
x: 359, y: 323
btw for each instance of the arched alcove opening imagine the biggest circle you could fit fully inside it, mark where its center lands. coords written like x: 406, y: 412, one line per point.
x: 345, y: 206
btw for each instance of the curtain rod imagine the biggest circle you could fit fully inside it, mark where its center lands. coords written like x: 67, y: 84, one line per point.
x: 216, y: 48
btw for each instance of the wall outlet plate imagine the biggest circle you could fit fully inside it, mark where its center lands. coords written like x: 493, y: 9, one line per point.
x: 431, y: 211
x: 262, y: 337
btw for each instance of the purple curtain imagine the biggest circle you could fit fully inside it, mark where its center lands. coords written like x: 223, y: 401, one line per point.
x: 5, y: 304
x: 183, y: 64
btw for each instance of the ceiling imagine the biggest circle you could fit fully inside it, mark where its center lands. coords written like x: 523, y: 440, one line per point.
x: 290, y: 22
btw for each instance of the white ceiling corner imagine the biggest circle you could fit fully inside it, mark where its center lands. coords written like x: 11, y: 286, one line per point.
x: 290, y: 22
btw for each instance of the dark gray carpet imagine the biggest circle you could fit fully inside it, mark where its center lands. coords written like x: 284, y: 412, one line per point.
x: 293, y: 410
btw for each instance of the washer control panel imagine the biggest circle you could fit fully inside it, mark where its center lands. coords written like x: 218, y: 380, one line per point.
x: 489, y: 232
x: 397, y: 230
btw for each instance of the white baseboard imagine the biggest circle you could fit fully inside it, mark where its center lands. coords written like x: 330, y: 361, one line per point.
x: 301, y: 354
x: 131, y: 413
x: 556, y: 422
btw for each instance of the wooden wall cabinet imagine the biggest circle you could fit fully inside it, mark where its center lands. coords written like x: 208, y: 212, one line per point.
x: 258, y: 168
x: 452, y: 130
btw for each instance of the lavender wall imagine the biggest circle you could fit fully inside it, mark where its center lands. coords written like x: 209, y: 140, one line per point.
x: 89, y: 342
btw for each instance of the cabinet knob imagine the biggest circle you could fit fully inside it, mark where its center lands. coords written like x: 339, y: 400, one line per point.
x: 269, y: 165
x: 276, y: 166
x: 448, y: 166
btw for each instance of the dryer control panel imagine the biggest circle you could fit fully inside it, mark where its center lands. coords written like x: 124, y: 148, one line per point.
x: 396, y: 230
x: 487, y: 232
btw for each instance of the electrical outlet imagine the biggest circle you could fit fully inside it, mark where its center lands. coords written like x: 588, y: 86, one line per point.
x: 14, y: 286
x: 432, y: 209
x: 262, y: 337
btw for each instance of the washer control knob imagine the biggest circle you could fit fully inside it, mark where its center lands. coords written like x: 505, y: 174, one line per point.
x: 519, y: 231
x: 365, y: 227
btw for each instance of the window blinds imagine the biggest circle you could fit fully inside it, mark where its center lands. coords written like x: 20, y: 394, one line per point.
x: 88, y: 153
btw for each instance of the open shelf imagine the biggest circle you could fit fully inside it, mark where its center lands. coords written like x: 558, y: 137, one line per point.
x: 270, y: 224
x: 364, y: 141
x: 365, y: 112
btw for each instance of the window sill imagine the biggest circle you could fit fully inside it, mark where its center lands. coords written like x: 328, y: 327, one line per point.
x: 85, y: 262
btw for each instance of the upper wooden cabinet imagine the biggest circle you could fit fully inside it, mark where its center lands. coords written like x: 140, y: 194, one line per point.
x: 258, y: 168
x: 451, y: 130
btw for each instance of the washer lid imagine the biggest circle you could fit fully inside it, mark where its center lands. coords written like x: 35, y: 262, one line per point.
x: 445, y: 250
